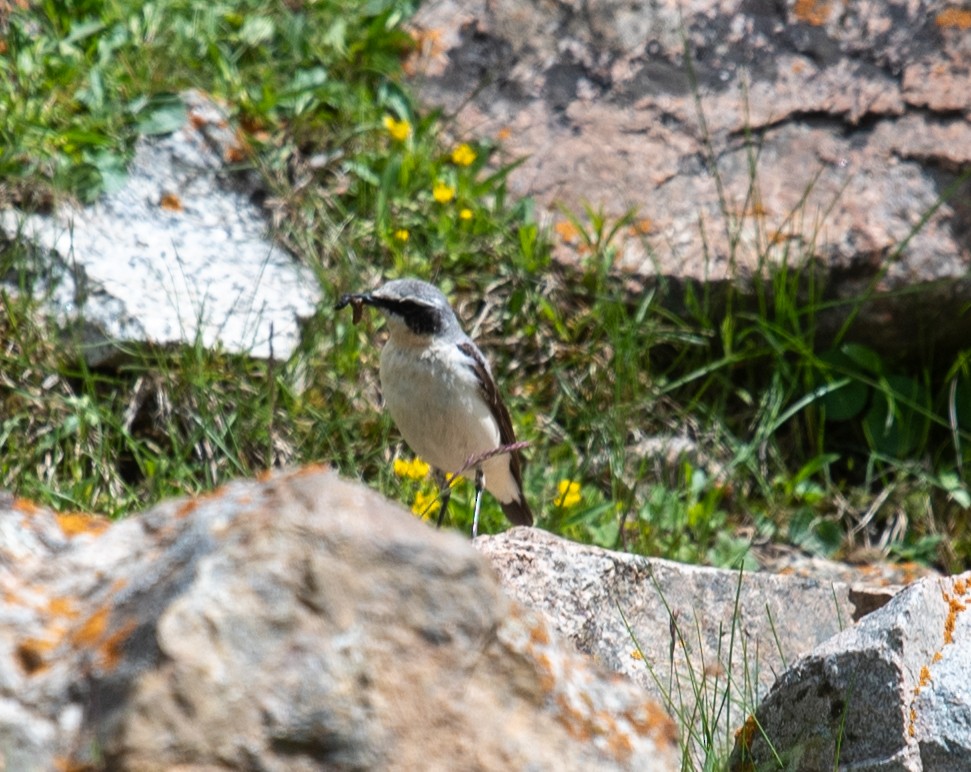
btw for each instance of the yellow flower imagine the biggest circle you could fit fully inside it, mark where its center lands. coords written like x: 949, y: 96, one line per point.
x: 568, y: 494
x: 426, y: 504
x: 399, y: 130
x: 465, y: 214
x: 443, y: 192
x: 416, y: 469
x: 402, y: 234
x: 463, y: 155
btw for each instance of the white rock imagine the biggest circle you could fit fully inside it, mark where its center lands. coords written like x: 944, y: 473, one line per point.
x: 202, y: 268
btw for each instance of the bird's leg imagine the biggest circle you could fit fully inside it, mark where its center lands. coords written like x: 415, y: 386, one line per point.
x: 445, y: 492
x: 478, y: 501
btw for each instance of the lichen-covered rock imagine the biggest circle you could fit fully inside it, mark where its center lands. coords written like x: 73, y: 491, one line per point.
x: 690, y: 635
x: 296, y: 623
x: 892, y: 693
x: 707, y: 642
x: 737, y: 131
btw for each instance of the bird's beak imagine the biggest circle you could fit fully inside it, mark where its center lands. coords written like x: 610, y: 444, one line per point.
x: 357, y: 302
x: 355, y: 299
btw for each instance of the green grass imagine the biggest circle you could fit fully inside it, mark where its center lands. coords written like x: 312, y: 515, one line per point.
x: 712, y: 694
x: 793, y: 439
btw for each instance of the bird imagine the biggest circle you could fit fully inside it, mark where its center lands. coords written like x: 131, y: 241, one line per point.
x: 439, y: 389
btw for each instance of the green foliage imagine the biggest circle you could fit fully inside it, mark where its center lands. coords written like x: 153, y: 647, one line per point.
x: 688, y: 523
x: 708, y: 700
x: 82, y: 80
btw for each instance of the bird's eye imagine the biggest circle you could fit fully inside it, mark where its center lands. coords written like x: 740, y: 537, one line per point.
x: 421, y: 318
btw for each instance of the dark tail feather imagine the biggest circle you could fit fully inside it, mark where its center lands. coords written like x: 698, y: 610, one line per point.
x: 517, y: 511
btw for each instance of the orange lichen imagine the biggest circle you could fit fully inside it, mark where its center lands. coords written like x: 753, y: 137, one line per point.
x: 309, y: 469
x: 567, y: 231
x: 746, y: 733
x: 426, y: 44
x: 949, y: 628
x: 955, y: 607
x: 642, y: 227
x: 636, y: 654
x: 925, y: 676
x: 93, y: 635
x: 26, y: 506
x: 539, y: 635
x: 75, y: 523
x: 92, y: 630
x: 910, y: 572
x: 954, y: 18
x: 10, y: 597
x: 70, y: 765
x: 62, y: 607
x: 188, y: 508
x: 651, y: 720
x: 170, y: 202
x: 587, y: 702
x: 237, y: 152
x: 429, y: 39
x: 572, y: 721
x: 619, y: 742
x: 754, y: 209
x: 112, y: 648
x: 547, y: 681
x: 815, y: 12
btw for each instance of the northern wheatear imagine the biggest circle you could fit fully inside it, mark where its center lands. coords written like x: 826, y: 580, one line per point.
x: 441, y: 394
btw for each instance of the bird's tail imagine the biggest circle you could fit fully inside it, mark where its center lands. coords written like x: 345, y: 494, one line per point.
x: 517, y: 511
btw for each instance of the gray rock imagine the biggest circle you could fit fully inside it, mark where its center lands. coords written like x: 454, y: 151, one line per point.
x: 892, y: 693
x: 298, y: 623
x: 691, y: 636
x: 179, y: 254
x: 855, y: 118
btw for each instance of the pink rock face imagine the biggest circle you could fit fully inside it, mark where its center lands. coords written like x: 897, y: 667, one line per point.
x: 741, y: 133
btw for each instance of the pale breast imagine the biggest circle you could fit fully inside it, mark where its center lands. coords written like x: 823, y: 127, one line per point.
x: 434, y: 400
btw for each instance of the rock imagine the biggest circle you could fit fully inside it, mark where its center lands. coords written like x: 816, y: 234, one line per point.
x: 872, y: 580
x: 685, y: 633
x: 892, y: 693
x: 178, y: 254
x: 295, y: 623
x: 856, y: 119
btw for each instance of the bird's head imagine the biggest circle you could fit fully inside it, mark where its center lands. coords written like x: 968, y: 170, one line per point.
x: 413, y: 308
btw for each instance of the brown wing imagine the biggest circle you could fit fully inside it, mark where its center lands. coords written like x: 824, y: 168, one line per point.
x: 517, y: 512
